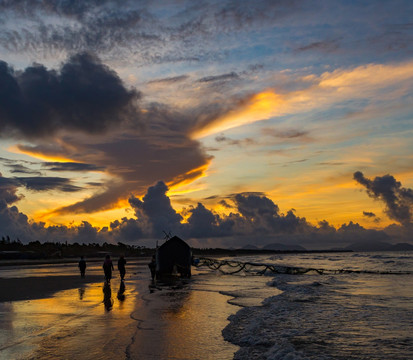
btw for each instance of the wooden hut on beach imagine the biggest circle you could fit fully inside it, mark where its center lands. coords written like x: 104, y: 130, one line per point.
x: 173, y: 258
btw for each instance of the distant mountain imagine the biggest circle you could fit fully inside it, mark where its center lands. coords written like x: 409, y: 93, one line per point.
x: 250, y: 247
x: 402, y: 247
x: 379, y: 246
x: 283, y: 247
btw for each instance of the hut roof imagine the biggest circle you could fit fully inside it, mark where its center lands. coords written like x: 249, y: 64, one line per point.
x: 175, y: 241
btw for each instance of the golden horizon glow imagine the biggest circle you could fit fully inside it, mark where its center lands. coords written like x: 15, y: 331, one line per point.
x: 99, y: 219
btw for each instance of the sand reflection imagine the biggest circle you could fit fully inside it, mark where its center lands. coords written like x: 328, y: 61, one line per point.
x: 107, y: 296
x: 79, y: 323
x: 181, y: 322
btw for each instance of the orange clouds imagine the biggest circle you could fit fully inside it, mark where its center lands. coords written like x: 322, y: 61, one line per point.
x: 260, y: 106
x: 372, y: 82
x: 40, y: 155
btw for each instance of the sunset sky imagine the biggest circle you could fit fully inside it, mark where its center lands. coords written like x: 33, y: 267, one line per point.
x: 225, y: 122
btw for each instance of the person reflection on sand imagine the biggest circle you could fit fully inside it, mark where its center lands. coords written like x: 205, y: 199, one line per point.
x: 121, y: 291
x: 81, y: 293
x: 107, y: 297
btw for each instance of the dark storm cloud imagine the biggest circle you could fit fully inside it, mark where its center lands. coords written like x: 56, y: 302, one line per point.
x: 398, y: 200
x: 85, y: 95
x: 71, y: 166
x: 47, y: 183
x: 369, y: 214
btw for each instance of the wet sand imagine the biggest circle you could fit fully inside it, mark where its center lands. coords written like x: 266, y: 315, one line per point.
x: 30, y: 288
x: 69, y: 317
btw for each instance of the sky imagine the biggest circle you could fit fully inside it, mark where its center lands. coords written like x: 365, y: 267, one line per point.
x: 226, y: 123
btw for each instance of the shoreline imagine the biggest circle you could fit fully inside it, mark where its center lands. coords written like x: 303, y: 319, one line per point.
x: 31, y: 288
x: 57, y: 261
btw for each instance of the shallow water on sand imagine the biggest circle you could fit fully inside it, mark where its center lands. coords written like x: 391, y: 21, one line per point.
x: 179, y: 321
x: 89, y: 322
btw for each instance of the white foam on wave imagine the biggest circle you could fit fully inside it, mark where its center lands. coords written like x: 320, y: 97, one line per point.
x: 325, y: 317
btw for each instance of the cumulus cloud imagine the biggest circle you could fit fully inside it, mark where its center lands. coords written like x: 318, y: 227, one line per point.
x: 256, y: 219
x: 203, y: 223
x: 84, y: 95
x: 398, y: 200
x: 155, y: 208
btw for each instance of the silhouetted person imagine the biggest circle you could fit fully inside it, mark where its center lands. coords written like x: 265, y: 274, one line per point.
x: 121, y: 267
x: 152, y: 267
x: 82, y: 266
x: 107, y: 268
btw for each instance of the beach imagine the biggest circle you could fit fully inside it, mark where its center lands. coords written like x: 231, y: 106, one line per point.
x: 64, y: 316
x: 364, y: 312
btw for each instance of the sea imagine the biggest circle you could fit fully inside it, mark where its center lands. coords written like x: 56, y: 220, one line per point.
x: 338, y: 305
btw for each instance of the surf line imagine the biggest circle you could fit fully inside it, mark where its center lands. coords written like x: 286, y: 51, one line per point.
x: 230, y: 267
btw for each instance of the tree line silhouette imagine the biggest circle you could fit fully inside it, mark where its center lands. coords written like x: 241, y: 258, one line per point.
x: 15, y: 249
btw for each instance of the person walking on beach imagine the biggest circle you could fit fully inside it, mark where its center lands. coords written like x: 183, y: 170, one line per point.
x: 121, y: 267
x: 82, y: 267
x: 107, y: 268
